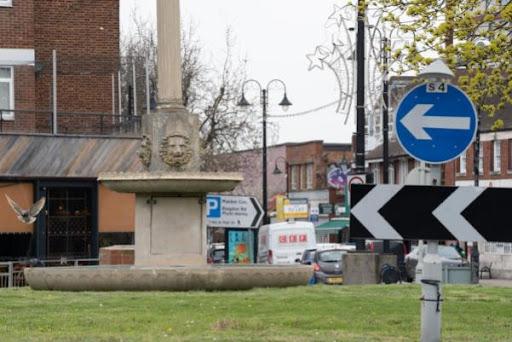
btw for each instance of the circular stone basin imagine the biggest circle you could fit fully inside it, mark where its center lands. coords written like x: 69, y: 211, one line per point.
x: 174, y: 278
x: 170, y: 182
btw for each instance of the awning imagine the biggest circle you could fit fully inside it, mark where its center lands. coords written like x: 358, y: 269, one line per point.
x: 334, y: 225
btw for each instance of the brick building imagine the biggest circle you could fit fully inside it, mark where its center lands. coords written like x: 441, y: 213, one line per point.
x: 85, y: 37
x: 80, y: 215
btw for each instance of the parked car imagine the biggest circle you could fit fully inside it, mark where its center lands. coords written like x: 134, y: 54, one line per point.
x: 216, y: 254
x: 449, y: 257
x: 308, y: 257
x: 342, y: 246
x: 327, y: 266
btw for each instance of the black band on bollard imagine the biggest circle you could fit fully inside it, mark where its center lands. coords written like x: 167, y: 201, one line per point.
x: 435, y: 283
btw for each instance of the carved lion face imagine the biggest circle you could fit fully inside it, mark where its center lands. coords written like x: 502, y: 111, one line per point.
x: 175, y: 150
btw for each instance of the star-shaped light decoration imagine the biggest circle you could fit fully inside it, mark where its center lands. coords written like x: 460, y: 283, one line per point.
x: 337, y: 16
x: 337, y: 39
x: 317, y: 59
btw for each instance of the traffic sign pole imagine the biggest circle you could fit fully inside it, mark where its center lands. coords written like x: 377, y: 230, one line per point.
x: 431, y: 279
x: 431, y: 295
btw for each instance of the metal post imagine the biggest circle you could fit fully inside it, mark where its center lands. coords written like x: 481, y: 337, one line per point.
x: 385, y: 114
x: 385, y: 124
x: 430, y: 280
x: 360, y: 51
x: 11, y: 274
x: 54, y: 92
x: 148, y: 95
x: 119, y: 90
x: 476, y: 155
x: 264, y: 170
x: 475, y: 254
x: 360, y: 117
x: 113, y: 99
x: 134, y: 89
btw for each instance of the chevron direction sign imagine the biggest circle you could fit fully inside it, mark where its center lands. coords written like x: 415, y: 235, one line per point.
x: 410, y: 212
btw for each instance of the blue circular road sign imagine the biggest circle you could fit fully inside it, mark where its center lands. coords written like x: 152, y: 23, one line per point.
x: 435, y: 122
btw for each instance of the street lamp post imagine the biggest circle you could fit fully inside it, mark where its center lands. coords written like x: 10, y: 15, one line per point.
x: 285, y: 103
x: 278, y: 171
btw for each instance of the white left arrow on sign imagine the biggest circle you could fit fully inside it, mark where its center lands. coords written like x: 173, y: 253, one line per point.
x: 416, y: 121
x: 449, y: 213
x: 367, y: 212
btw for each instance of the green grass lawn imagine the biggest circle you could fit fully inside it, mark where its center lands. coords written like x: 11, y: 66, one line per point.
x: 314, y: 313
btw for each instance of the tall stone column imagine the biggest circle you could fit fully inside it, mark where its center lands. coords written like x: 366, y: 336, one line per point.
x: 169, y: 54
x: 171, y: 134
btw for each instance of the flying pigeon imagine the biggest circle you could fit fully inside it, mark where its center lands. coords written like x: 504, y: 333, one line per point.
x: 27, y: 216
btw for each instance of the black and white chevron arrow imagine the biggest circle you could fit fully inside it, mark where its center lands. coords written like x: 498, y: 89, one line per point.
x: 409, y: 212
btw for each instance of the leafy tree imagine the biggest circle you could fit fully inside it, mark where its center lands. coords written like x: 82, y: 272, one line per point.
x: 473, y: 35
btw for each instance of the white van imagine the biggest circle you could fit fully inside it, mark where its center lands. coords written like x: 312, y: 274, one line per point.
x: 284, y: 243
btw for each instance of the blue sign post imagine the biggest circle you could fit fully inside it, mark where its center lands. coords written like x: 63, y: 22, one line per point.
x: 435, y: 122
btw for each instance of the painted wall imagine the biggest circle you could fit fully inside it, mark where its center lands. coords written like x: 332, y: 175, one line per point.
x: 21, y: 193
x: 116, y: 211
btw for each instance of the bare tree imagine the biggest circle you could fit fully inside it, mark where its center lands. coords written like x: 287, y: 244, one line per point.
x: 138, y: 47
x: 210, y: 92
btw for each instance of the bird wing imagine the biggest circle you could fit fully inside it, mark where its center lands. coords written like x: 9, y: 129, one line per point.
x: 36, y: 208
x: 17, y: 209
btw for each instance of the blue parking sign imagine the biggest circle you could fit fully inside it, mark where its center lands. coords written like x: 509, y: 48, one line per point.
x: 214, y: 206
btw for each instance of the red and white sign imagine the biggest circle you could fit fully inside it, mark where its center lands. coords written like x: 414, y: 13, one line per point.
x: 293, y: 238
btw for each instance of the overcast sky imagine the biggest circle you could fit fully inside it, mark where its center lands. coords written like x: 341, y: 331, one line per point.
x: 275, y: 35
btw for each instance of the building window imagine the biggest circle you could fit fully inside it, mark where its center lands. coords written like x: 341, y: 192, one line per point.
x: 303, y: 177
x: 496, y: 160
x: 481, y: 159
x: 396, y: 166
x: 391, y: 174
x: 294, y: 170
x: 309, y: 176
x: 509, y: 155
x: 376, y: 174
x: 463, y: 163
x: 5, y: 3
x: 411, y: 164
x: 6, y: 92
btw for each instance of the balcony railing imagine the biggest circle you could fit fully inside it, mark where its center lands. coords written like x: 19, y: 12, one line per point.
x: 68, y: 123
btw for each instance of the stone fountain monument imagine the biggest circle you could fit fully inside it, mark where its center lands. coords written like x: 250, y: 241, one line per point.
x: 170, y: 216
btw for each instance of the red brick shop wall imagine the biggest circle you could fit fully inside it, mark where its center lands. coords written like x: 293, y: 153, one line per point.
x: 451, y: 174
x: 86, y: 37
x: 17, y: 25
x: 24, y: 98
x: 310, y: 152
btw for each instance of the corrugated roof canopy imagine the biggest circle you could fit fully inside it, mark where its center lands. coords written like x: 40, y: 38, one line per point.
x: 32, y: 156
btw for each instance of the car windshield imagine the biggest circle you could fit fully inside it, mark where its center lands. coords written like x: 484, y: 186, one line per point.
x: 330, y: 256
x: 308, y: 255
x: 449, y: 252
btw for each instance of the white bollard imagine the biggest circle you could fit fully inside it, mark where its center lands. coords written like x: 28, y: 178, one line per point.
x: 431, y: 294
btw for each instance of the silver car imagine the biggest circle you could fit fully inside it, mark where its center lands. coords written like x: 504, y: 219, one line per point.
x: 327, y: 266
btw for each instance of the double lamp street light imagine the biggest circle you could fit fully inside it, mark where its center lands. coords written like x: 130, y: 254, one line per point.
x: 285, y: 104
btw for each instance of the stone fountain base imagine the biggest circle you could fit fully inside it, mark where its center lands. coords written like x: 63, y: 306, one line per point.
x: 172, y: 278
